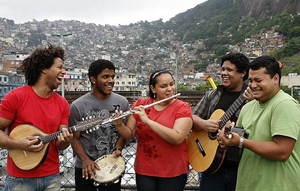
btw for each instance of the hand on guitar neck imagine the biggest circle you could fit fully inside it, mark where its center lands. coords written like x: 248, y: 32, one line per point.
x: 231, y: 136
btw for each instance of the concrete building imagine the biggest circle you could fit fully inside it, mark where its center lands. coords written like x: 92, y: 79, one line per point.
x: 125, y: 81
x: 11, y: 62
x: 10, y: 81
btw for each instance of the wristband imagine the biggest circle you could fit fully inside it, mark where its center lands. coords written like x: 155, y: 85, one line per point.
x: 241, y: 142
x: 117, y: 149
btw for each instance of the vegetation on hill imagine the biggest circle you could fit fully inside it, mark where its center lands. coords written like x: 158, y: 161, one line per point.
x: 219, y: 23
x: 216, y: 23
x: 229, y: 22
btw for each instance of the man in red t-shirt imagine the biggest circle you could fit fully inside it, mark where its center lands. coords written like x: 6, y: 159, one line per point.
x: 29, y: 111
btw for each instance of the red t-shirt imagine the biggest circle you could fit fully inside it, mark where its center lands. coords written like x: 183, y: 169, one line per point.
x: 155, y: 156
x: 24, y: 106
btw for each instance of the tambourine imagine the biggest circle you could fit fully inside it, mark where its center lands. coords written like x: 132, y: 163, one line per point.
x: 111, y: 169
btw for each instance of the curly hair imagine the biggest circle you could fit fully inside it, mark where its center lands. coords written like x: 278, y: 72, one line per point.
x: 97, y: 66
x: 239, y: 60
x: 41, y: 58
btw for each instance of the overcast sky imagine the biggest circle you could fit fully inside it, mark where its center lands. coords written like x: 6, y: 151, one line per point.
x: 112, y: 12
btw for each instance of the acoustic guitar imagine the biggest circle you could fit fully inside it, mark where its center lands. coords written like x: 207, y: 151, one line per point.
x: 204, y: 152
x: 27, y: 160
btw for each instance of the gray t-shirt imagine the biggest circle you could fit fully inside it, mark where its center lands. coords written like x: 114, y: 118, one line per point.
x: 101, y: 141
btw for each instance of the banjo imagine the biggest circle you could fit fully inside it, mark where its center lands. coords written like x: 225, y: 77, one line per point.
x: 111, y: 170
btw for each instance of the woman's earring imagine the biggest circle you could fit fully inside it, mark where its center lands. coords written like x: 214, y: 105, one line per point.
x: 154, y: 95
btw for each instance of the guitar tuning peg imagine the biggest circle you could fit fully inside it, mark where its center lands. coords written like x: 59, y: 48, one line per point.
x: 87, y: 131
x: 90, y: 130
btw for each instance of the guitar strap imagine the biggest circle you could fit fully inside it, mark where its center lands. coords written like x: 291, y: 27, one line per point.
x: 226, y: 100
x: 235, y: 153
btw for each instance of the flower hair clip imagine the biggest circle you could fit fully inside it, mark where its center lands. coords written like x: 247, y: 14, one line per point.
x: 280, y: 64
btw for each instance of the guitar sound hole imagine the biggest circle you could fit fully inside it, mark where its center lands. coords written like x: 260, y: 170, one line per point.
x: 213, y: 135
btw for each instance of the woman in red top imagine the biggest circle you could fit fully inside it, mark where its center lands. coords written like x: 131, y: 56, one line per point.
x: 161, y: 159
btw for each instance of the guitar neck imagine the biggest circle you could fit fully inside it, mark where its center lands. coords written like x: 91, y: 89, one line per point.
x: 231, y: 110
x: 87, y: 125
x: 81, y: 126
x: 48, y: 138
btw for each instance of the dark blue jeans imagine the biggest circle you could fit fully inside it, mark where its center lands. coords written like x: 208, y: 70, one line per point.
x: 222, y: 180
x: 152, y: 183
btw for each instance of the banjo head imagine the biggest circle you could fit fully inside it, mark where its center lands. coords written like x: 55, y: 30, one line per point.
x: 111, y: 168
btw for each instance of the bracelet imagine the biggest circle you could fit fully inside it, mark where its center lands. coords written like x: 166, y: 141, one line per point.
x: 117, y: 149
x: 241, y: 142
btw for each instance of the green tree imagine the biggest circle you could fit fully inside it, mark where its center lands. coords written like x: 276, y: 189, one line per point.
x: 203, y: 87
x: 199, y: 67
x: 209, y: 43
x: 294, y: 32
x: 220, y: 50
x: 192, y: 62
x: 141, y: 63
x: 181, y: 87
x: 36, y: 38
x: 159, y: 56
x: 296, y: 69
